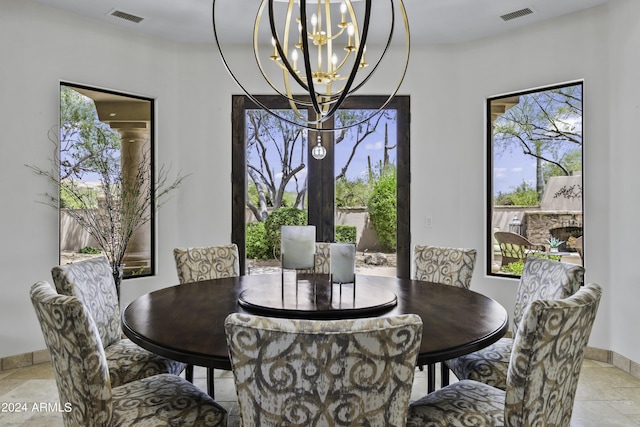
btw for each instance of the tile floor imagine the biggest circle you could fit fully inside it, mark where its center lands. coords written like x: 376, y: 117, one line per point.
x: 606, y: 396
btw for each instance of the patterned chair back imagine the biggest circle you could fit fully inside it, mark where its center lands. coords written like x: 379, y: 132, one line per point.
x: 321, y: 373
x: 448, y: 266
x: 547, y: 355
x: 206, y: 263
x: 91, y: 281
x: 78, y: 358
x: 322, y: 260
x: 545, y: 279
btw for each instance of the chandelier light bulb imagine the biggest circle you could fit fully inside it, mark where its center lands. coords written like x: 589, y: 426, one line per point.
x: 319, y: 152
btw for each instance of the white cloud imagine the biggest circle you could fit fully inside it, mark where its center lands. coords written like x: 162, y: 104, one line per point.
x: 499, y: 173
x: 372, y: 146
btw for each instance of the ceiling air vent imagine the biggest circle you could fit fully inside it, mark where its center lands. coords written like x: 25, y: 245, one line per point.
x: 126, y: 16
x: 517, y: 14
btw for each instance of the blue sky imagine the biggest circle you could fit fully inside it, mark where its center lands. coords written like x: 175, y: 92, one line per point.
x: 511, y: 169
x: 373, y: 146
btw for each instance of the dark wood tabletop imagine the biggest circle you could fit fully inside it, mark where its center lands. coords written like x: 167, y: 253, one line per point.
x: 186, y: 322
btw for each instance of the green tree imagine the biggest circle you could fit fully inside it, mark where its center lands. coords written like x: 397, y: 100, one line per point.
x: 350, y: 193
x: 382, y: 208
x: 523, y: 195
x: 85, y: 141
x: 278, y: 218
x: 358, y: 133
x: 571, y: 162
x: 276, y: 152
x: 544, y: 125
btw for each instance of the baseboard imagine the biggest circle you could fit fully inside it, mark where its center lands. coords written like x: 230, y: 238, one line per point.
x: 24, y: 360
x: 613, y: 358
x: 592, y: 353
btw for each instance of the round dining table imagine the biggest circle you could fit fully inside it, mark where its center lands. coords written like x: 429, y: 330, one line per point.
x: 186, y: 322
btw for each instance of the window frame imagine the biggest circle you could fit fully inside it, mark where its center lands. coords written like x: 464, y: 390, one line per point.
x: 150, y: 227
x: 490, y: 162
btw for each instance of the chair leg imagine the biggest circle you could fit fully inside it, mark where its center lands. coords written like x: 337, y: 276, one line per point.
x: 210, y: 385
x: 444, y: 375
x: 188, y: 373
x: 431, y: 377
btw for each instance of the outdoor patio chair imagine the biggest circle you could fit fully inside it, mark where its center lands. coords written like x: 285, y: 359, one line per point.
x: 578, y: 245
x: 514, y: 247
x: 548, y: 351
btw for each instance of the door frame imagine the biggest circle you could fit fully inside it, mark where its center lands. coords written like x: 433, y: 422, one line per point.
x: 321, y: 172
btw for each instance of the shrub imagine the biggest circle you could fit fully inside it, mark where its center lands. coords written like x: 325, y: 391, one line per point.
x: 346, y: 233
x: 522, y: 195
x: 256, y: 241
x: 516, y: 268
x: 382, y: 210
x: 278, y: 218
x: 352, y: 193
x: 89, y: 250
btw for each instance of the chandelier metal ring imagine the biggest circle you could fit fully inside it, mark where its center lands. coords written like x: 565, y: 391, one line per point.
x: 322, y: 67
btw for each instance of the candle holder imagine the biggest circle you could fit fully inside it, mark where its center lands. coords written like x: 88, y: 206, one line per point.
x: 297, y: 250
x: 342, y: 266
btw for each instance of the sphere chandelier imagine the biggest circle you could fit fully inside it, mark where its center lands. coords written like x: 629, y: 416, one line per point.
x: 314, y: 54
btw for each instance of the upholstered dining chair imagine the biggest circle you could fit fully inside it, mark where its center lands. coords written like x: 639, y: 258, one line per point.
x: 447, y: 266
x: 548, y: 351
x: 206, y: 263
x: 91, y: 281
x: 323, y: 372
x: 321, y: 260
x: 541, y: 279
x: 82, y: 375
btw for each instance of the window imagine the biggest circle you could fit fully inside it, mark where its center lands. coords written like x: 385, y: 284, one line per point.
x: 106, y: 170
x: 535, y: 184
x: 312, y: 183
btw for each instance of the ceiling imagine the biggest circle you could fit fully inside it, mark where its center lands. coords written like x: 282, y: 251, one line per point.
x: 431, y: 21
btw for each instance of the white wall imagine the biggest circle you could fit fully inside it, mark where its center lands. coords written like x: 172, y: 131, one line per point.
x: 448, y: 87
x: 623, y: 112
x: 42, y: 46
x: 453, y: 192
